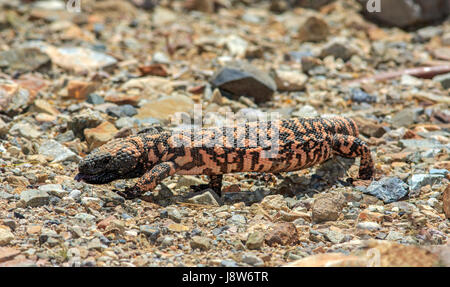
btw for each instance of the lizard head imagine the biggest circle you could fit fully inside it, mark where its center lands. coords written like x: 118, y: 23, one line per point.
x: 119, y: 158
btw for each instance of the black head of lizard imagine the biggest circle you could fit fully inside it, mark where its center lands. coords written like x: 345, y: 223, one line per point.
x: 117, y: 159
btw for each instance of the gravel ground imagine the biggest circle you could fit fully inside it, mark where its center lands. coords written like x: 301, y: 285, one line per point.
x: 70, y: 82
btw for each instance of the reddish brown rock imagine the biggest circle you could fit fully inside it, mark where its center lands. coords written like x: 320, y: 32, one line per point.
x: 100, y: 135
x: 446, y: 201
x: 79, y: 89
x: 282, y: 234
x: 122, y: 99
x: 313, y: 29
x: 327, y: 207
x: 8, y: 253
x: 103, y: 224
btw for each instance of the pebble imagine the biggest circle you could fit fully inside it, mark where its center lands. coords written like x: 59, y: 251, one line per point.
x: 202, y: 243
x: 388, y: 189
x: 34, y: 198
x: 338, y: 49
x: 368, y: 225
x: 255, y: 240
x: 327, y: 208
x: 206, y: 198
x: 58, y: 152
x: 54, y: 189
x: 282, y: 234
x: 416, y: 181
x: 23, y: 60
x: 100, y: 135
x: 313, y: 29
x: 444, y: 80
x: 6, y: 236
x: 252, y: 259
x: 79, y: 59
x: 244, y: 80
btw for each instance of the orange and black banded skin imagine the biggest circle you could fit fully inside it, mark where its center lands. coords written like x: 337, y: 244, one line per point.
x: 281, y: 146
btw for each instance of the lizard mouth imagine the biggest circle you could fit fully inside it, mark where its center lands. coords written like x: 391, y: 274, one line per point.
x: 96, y: 178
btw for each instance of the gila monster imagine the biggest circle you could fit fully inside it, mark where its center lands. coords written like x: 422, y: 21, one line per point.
x: 281, y: 146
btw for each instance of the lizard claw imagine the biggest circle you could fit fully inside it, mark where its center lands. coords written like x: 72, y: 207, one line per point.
x: 129, y: 193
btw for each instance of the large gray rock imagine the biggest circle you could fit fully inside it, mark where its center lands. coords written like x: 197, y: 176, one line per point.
x: 57, y: 151
x: 23, y: 60
x: 406, y: 13
x: 34, y: 198
x: 388, y: 189
x: 239, y: 79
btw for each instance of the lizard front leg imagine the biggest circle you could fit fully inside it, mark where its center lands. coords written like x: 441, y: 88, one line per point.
x: 350, y: 146
x: 149, y: 180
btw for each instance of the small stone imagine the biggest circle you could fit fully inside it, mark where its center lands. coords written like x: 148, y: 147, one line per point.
x: 58, y: 152
x: 164, y: 107
x: 327, y: 208
x: 100, y: 135
x: 368, y: 225
x: 255, y: 240
x: 25, y: 130
x: 236, y: 45
x: 228, y: 263
x: 175, y: 227
x: 359, y: 96
x: 416, y: 181
x: 75, y: 194
x: 174, y: 214
x: 188, y: 180
x: 334, y: 236
x: 95, y: 244
x: 152, y: 232
x: 207, y: 198
x: 84, y: 120
x: 42, y: 106
x: 394, y: 236
x: 313, y: 29
x: 241, y: 79
x: 34, y: 229
x: 94, y: 99
x: 387, y: 189
x: 329, y: 260
x: 34, y: 198
x: 275, y: 201
x: 122, y: 99
x: 252, y: 259
x: 237, y: 219
x: 282, y: 234
x: 79, y: 89
x: 444, y: 80
x: 306, y: 111
x: 338, y: 49
x: 11, y: 223
x: 446, y: 201
x: 316, y: 4
x: 202, y: 243
x: 23, y: 60
x: 8, y: 253
x: 289, y: 81
x: 104, y: 223
x: 54, y: 189
x: 79, y: 59
x: 84, y: 217
x: 6, y: 235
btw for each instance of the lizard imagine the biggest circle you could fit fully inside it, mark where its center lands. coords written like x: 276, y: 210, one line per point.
x: 278, y: 146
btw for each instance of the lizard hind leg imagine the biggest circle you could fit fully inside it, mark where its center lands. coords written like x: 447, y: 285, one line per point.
x: 350, y: 146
